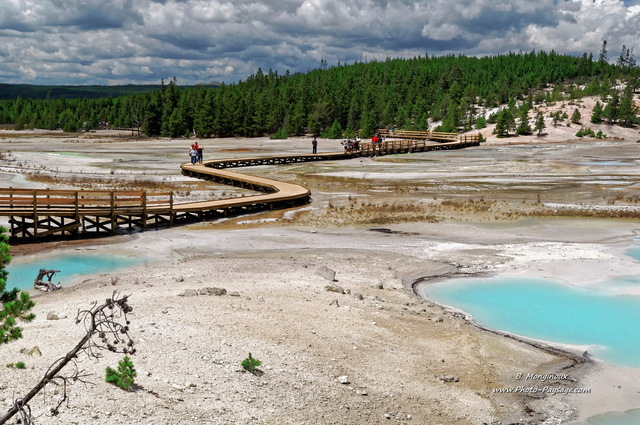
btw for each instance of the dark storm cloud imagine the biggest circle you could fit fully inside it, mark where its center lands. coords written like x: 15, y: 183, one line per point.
x: 142, y: 41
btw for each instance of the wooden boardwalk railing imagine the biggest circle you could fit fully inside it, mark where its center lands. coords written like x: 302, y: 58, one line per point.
x: 394, y: 146
x: 44, y: 212
x: 40, y: 213
x: 430, y: 135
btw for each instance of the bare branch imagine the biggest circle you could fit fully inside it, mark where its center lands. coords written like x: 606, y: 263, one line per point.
x: 107, y: 328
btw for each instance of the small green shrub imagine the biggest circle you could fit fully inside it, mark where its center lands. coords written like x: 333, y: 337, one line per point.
x: 280, y: 134
x: 18, y: 365
x: 587, y: 132
x: 124, y: 376
x: 250, y: 364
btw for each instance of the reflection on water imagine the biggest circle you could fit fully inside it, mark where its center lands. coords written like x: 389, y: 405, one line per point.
x: 22, y: 274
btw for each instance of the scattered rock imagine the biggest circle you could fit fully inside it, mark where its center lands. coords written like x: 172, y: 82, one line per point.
x: 204, y: 291
x: 334, y: 302
x: 448, y: 378
x: 326, y: 273
x: 189, y: 293
x: 234, y: 294
x: 213, y: 291
x: 344, y: 380
x: 332, y: 287
x: 52, y: 315
x: 35, y: 351
x: 378, y: 285
x: 358, y: 296
x: 437, y: 319
x: 180, y: 279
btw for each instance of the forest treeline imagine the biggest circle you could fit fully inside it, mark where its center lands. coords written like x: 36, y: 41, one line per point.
x: 30, y: 91
x: 340, y: 100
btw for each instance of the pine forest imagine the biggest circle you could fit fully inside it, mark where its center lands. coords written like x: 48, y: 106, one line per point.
x: 448, y: 93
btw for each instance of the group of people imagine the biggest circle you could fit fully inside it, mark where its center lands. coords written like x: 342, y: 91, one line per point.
x: 351, y: 145
x: 195, y: 153
x: 376, y: 139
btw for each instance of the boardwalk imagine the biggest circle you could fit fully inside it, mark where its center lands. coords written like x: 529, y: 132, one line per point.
x: 35, y: 214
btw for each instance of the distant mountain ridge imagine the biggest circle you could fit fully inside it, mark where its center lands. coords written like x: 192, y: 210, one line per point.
x: 29, y: 91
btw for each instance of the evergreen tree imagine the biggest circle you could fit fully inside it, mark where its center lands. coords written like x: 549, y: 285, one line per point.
x: 627, y: 58
x: 368, y: 125
x: 176, y: 125
x: 602, y: 60
x: 320, y: 118
x: 505, y: 123
x: 612, y: 111
x: 450, y: 120
x: 539, y: 125
x: 170, y: 97
x: 68, y: 120
x: 203, y: 116
x: 333, y: 132
x: 575, y: 117
x: 626, y: 113
x: 15, y: 304
x: 524, y: 128
x: 596, y: 114
x: 152, y: 124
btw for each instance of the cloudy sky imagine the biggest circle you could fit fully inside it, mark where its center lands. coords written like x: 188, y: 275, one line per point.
x: 143, y: 41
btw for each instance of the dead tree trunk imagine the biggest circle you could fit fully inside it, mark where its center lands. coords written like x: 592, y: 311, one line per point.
x: 47, y: 286
x: 109, y: 323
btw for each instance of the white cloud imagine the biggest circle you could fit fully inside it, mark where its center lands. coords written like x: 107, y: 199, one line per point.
x: 586, y: 25
x: 97, y: 41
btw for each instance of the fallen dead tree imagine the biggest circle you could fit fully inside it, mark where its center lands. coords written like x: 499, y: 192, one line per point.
x: 46, y: 285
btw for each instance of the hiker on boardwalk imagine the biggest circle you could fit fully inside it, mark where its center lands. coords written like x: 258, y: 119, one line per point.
x: 314, y: 146
x: 199, y: 152
x: 193, y: 153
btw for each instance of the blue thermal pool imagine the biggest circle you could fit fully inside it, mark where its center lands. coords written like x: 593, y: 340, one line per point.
x: 544, y: 309
x: 22, y: 273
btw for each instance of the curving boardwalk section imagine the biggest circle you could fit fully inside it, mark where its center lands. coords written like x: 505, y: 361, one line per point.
x: 36, y: 214
x: 276, y: 192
